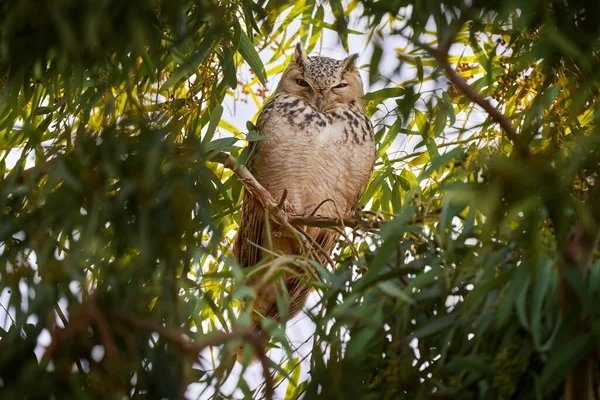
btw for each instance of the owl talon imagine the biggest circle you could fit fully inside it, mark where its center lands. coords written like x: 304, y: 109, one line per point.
x: 286, y: 206
x: 283, y: 204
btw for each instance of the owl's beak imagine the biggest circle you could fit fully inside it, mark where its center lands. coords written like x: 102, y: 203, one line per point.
x: 320, y: 100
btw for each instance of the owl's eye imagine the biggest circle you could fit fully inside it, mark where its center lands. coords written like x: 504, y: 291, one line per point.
x: 302, y: 82
x: 341, y: 85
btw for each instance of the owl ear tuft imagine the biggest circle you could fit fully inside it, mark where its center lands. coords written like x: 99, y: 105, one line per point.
x: 300, y: 56
x: 349, y: 63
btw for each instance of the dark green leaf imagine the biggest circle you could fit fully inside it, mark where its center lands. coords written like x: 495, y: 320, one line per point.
x: 248, y: 51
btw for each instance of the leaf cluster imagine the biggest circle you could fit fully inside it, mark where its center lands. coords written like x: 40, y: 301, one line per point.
x: 478, y: 278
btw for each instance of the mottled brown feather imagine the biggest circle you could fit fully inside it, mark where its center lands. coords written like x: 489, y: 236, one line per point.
x: 319, y: 146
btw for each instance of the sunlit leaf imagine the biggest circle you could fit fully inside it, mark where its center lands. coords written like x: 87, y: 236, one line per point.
x: 248, y: 51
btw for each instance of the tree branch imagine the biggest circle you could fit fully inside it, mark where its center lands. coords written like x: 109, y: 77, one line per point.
x: 318, y: 221
x: 441, y: 55
x: 289, y: 219
x: 276, y: 212
x: 192, y: 349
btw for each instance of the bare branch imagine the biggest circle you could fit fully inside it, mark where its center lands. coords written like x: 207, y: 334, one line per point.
x: 277, y: 214
x: 441, y: 55
x: 290, y: 220
x: 327, y: 222
x: 192, y: 349
x: 358, y: 221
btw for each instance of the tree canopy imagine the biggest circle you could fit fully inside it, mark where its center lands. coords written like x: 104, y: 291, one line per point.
x: 470, y: 270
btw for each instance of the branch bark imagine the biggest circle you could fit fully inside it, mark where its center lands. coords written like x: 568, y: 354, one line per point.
x: 276, y: 212
x: 291, y: 220
x: 192, y: 349
x: 441, y: 55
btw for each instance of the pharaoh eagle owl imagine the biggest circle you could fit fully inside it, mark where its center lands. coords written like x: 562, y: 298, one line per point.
x: 319, y: 148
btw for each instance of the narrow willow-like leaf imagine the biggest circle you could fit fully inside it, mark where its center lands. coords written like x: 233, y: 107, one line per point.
x: 248, y: 51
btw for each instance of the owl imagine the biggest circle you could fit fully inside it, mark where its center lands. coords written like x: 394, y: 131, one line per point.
x: 319, y: 148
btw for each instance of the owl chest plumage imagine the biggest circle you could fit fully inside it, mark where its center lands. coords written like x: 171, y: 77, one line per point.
x: 318, y: 147
x: 323, y: 160
x: 314, y: 156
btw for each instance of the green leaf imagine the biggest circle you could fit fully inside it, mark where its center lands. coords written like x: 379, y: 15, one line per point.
x: 563, y: 358
x: 207, y: 297
x: 403, y: 182
x: 341, y: 23
x: 440, y: 119
x: 300, y: 390
x: 389, y: 138
x: 293, y: 379
x: 390, y: 233
x: 374, y: 185
x: 382, y: 94
x: 249, y: 53
x: 215, y: 118
x: 441, y: 161
x: 425, y: 278
x: 358, y: 342
x: 477, y: 362
x: 551, y: 93
x: 317, y: 29
x: 253, y: 136
x: 222, y: 144
x: 434, y: 325
x: 190, y: 66
x: 541, y: 285
x: 449, y: 108
x: 394, y: 291
x: 578, y: 286
x: 410, y: 179
x: 374, y: 65
x: 519, y: 287
x: 227, y: 56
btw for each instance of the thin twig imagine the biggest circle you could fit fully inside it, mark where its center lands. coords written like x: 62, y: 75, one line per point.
x: 192, y: 348
x: 328, y: 222
x: 258, y: 191
x: 319, y: 206
x: 441, y: 55
x: 320, y: 249
x: 341, y: 232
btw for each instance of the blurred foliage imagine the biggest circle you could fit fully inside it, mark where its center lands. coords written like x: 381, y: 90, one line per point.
x: 116, y: 230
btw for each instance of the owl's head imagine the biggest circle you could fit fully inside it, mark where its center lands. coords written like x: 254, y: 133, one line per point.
x: 322, y: 82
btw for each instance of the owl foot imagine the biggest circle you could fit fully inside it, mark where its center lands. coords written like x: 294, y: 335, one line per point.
x: 283, y: 204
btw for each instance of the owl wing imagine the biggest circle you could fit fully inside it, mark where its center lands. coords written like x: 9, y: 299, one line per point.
x: 246, y: 248
x: 370, y: 161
